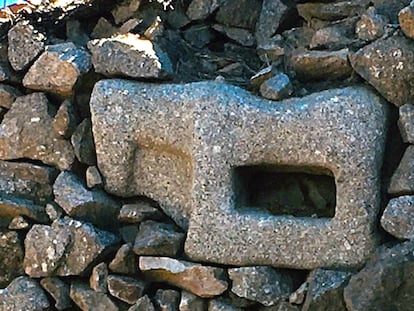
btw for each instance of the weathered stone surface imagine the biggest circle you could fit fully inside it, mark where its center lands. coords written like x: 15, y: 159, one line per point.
x: 203, y: 281
x: 125, y: 10
x: 59, y: 290
x: 126, y: 288
x: 79, y: 202
x: 221, y: 305
x: 125, y: 261
x: 240, y: 35
x: 167, y: 300
x: 233, y: 14
x: 12, y: 207
x: 158, y: 239
x: 93, y: 177
x: 406, y: 123
x: 272, y: 14
x: 137, y: 212
x: 320, y: 65
x: 83, y: 144
x: 11, y: 257
x: 201, y: 9
x: 385, y: 59
x: 26, y: 132
x: 25, y: 44
x: 54, y: 211
x: 333, y: 37
x: 64, y: 123
x: 262, y: 284
x: 385, y: 283
x: 89, y: 300
x: 142, y: 304
x: 398, y: 217
x: 277, y: 88
x: 98, y: 280
x: 331, y: 11
x: 103, y: 29
x: 406, y: 20
x: 371, y: 26
x: 190, y: 302
x: 23, y: 293
x: 120, y: 54
x: 8, y: 95
x: 58, y: 69
x: 402, y: 181
x: 19, y: 223
x: 185, y: 162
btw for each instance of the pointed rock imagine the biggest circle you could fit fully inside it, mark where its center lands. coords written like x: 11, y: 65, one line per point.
x: 402, y: 181
x: 125, y: 261
x: 190, y: 302
x: 98, y: 280
x: 398, y: 217
x: 83, y: 144
x: 64, y: 123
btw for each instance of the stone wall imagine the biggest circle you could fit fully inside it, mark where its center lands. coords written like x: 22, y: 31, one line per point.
x: 207, y: 155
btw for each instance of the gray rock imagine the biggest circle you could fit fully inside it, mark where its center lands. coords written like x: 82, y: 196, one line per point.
x: 334, y: 37
x: 12, y: 207
x: 79, y: 202
x: 103, y: 29
x: 19, y: 223
x: 277, y: 88
x: 390, y: 9
x: 371, y: 26
x: 190, y: 302
x: 54, y: 211
x: 98, y: 280
x: 26, y: 132
x: 126, y: 288
x: 142, y: 304
x: 64, y: 122
x: 203, y: 281
x: 272, y: 50
x: 406, y: 123
x: 23, y: 293
x: 125, y: 261
x: 240, y: 35
x: 58, y: 69
x: 402, y: 181
x: 167, y: 300
x: 120, y: 54
x: 11, y: 257
x: 331, y: 11
x: 83, y: 144
x: 189, y: 157
x: 93, y: 177
x: 385, y: 59
x: 201, y: 9
x: 75, y: 33
x: 137, y: 212
x: 89, y: 300
x: 8, y: 95
x: 158, y: 239
x: 398, y: 217
x: 59, y: 290
x: 233, y: 14
x: 220, y: 304
x: 124, y: 10
x: 129, y: 233
x: 25, y: 44
x: 262, y: 284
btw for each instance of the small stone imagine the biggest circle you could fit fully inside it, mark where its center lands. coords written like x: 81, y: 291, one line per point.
x: 126, y: 288
x: 199, y: 36
x: 260, y: 283
x: 19, y: 223
x: 371, y: 26
x: 298, y: 296
x: 406, y: 123
x: 277, y: 87
x: 240, y: 35
x: 129, y: 26
x: 11, y: 257
x: 167, y: 300
x: 406, y: 20
x: 233, y: 14
x: 221, y: 305
x: 125, y: 10
x: 10, y: 208
x: 58, y: 69
x: 137, y: 212
x: 94, y: 206
x: 402, y: 181
x: 262, y: 76
x: 93, y: 177
x: 330, y: 11
x: 54, y: 211
x: 75, y: 33
x: 118, y: 56
x: 142, y: 304
x: 103, y: 29
x: 201, y: 9
x: 190, y: 302
x: 398, y: 217
x: 59, y: 290
x: 98, y: 280
x: 125, y: 261
x: 83, y: 144
x: 23, y: 293
x: 203, y: 281
x: 331, y: 38
x: 8, y: 95
x: 88, y: 300
x: 272, y: 50
x: 64, y: 123
x: 26, y: 133
x: 158, y: 239
x: 25, y: 44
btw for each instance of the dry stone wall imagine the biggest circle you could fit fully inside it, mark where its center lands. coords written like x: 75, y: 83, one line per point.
x: 200, y: 155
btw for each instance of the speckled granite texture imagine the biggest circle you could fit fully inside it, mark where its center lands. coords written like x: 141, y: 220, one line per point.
x: 179, y: 144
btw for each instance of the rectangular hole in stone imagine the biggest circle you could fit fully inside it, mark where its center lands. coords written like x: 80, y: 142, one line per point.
x: 279, y: 190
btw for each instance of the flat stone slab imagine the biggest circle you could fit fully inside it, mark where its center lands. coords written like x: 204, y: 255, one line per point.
x: 180, y: 144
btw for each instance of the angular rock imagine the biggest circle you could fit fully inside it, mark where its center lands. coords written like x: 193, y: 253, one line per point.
x: 190, y: 302
x: 126, y: 288
x: 402, y: 181
x: 58, y: 69
x: 125, y: 10
x: 331, y: 11
x: 11, y: 257
x: 19, y: 223
x: 221, y: 305
x: 371, y: 26
x: 276, y: 88
x: 190, y: 146
x: 94, y: 206
x: 120, y: 54
x: 59, y: 290
x: 298, y: 296
x: 87, y: 299
x: 203, y: 281
x: 98, y: 280
x: 8, y: 95
x: 262, y: 284
x: 398, y: 217
x: 26, y: 132
x: 103, y: 29
x: 83, y: 144
x: 125, y: 261
x: 406, y: 123
x: 333, y: 37
x: 406, y: 20
x: 23, y: 293
x: 167, y: 300
x: 64, y: 123
x: 158, y: 239
x: 385, y: 59
x: 233, y: 14
x: 93, y: 177
x: 137, y: 212
x: 240, y: 35
x: 201, y: 9
x: 142, y: 304
x: 262, y: 76
x: 10, y: 208
x: 54, y: 211
x: 25, y: 44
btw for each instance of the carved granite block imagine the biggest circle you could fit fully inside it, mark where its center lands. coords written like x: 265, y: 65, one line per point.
x: 180, y: 145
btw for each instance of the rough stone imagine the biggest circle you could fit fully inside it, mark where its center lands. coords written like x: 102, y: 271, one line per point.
x: 406, y: 123
x: 19, y: 223
x: 233, y: 14
x: 103, y: 29
x: 23, y: 293
x: 384, y: 60
x: 83, y: 144
x: 137, y: 212
x: 262, y: 284
x: 98, y: 280
x: 242, y: 36
x: 385, y: 283
x: 126, y: 288
x: 221, y: 305
x: 58, y: 69
x: 125, y: 10
x: 272, y: 51
x: 143, y: 304
x: 125, y: 261
x: 371, y: 26
x: 261, y: 76
x: 402, y: 181
x: 277, y: 88
x: 320, y: 65
x: 81, y: 203
x: 8, y: 95
x: 59, y: 290
x: 158, y: 239
x: 167, y: 300
x: 12, y: 207
x: 186, y: 164
x: 331, y: 11
x: 190, y: 302
x: 25, y: 44
x: 398, y: 217
x: 64, y: 122
x: 406, y: 20
x: 54, y: 211
x: 201, y: 9
x: 93, y: 177
x: 89, y: 300
x: 26, y: 133
x: 390, y: 9
x: 203, y: 281
x: 11, y: 257
x: 333, y: 37
x: 120, y: 54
